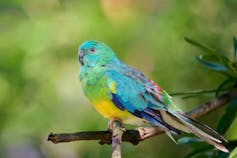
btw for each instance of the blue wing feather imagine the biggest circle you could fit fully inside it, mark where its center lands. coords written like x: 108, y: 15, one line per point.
x: 117, y: 101
x: 132, y: 90
x: 132, y: 93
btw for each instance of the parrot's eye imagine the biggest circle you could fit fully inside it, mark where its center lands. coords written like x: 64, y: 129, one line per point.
x: 92, y: 50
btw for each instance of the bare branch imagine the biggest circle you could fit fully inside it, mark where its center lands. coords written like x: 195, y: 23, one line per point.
x: 142, y: 133
x: 117, y: 131
x: 131, y: 136
x: 212, y: 105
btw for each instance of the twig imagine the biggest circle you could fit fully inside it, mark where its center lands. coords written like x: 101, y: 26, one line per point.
x: 196, y: 92
x: 142, y: 133
x: 117, y: 131
x: 131, y: 136
x: 212, y: 105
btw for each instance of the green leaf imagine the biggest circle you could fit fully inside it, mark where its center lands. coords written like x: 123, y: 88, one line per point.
x: 226, y: 85
x: 210, y: 51
x: 196, y: 93
x: 229, y: 116
x: 233, y: 154
x: 201, y: 46
x: 199, y: 151
x: 189, y: 140
x: 209, y: 64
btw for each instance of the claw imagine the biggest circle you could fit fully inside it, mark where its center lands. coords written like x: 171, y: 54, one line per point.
x: 110, y: 125
x: 111, y: 122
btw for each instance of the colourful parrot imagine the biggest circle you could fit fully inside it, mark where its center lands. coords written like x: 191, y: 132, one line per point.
x: 120, y: 92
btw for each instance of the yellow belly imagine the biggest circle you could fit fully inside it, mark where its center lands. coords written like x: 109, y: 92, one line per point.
x: 109, y: 110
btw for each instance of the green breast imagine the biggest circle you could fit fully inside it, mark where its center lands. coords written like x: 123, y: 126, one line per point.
x: 94, y: 83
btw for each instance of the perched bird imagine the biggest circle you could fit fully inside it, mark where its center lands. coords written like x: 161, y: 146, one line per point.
x: 118, y: 91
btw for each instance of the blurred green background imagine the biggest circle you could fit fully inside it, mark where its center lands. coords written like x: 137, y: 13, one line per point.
x: 39, y: 87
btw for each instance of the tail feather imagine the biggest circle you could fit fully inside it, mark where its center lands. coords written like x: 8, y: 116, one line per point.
x: 186, y: 124
x: 211, y: 140
x: 168, y: 133
x: 205, y: 127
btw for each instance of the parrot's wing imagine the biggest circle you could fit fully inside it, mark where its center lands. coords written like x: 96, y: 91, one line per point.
x: 134, y: 92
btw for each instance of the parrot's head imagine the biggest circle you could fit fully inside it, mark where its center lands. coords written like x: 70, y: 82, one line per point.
x: 94, y: 53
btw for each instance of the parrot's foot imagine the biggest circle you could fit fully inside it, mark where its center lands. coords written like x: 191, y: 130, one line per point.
x: 111, y: 124
x: 146, y: 132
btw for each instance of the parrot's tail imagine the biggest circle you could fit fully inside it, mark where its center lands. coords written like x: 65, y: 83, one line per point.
x: 184, y: 123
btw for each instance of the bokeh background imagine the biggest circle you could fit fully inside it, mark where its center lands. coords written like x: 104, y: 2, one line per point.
x: 39, y: 87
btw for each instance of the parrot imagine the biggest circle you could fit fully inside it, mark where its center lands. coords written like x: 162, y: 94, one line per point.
x: 120, y: 92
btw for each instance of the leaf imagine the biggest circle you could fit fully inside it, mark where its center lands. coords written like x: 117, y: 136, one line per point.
x: 223, y: 59
x: 199, y: 151
x: 210, y: 64
x: 189, y: 94
x: 195, y: 92
x: 235, y: 48
x: 197, y: 95
x: 225, y: 85
x: 201, y: 46
x: 233, y: 154
x: 189, y: 140
x: 229, y: 116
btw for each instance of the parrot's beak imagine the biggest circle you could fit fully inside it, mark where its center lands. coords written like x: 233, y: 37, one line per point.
x: 81, y: 56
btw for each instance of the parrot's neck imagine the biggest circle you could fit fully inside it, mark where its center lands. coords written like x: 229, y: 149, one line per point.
x: 94, y: 78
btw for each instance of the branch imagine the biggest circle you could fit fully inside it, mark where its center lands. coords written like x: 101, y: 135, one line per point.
x: 117, y: 130
x: 142, y: 133
x: 212, y: 105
